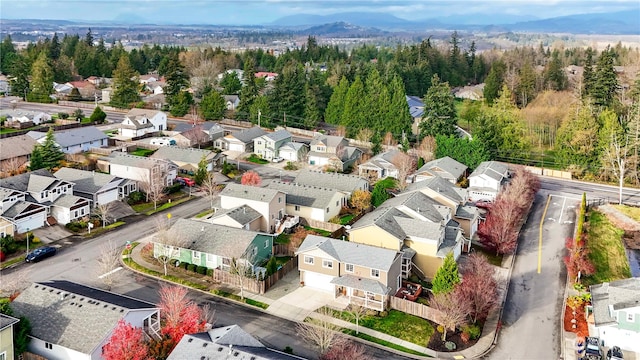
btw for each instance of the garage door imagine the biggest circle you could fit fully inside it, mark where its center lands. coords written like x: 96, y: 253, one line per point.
x: 236, y: 147
x: 319, y: 281
x: 33, y: 222
x: 108, y: 196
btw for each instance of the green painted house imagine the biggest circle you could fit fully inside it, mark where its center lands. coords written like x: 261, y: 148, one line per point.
x: 214, y: 246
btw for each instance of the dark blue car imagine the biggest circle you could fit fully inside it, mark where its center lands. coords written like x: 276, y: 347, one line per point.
x: 40, y: 253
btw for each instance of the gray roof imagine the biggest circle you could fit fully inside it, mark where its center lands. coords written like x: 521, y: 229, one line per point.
x: 22, y: 182
x: 78, y: 136
x: 247, y: 192
x: 351, y: 253
x: 446, y: 167
x: 327, y: 140
x: 416, y: 106
x: 467, y: 211
x: 17, y: 209
x: 279, y: 135
x: 38, y: 183
x: 120, y: 158
x: 418, y: 228
x: 225, y: 343
x: 67, y: 201
x: 243, y: 214
x: 419, y: 203
x: 15, y: 146
x: 73, y: 315
x: 311, y: 196
x: 148, y: 113
x: 441, y: 186
x: 295, y: 146
x: 137, y: 123
x: 6, y: 321
x: 618, y: 295
x: 186, y: 155
x: 214, y: 239
x: 493, y: 169
x: 207, y: 126
x: 86, y: 181
x: 360, y: 283
x: 247, y: 135
x: 343, y: 182
x: 383, y: 160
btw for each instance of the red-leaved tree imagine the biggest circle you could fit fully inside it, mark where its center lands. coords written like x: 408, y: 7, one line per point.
x: 180, y: 315
x: 251, y: 178
x: 478, y: 287
x: 453, y: 310
x: 577, y: 259
x: 126, y: 342
x: 345, y: 350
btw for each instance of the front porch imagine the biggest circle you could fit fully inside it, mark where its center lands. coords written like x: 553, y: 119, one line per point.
x: 151, y: 326
x: 368, y: 293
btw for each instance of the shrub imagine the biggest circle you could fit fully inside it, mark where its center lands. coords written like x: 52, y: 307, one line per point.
x: 383, y: 314
x: 209, y: 272
x: 8, y: 245
x: 272, y: 266
x: 440, y: 329
x: 191, y: 267
x: 465, y: 337
x: 473, y: 330
x: 290, y: 166
x: 173, y: 188
x: 63, y: 115
x: 288, y: 350
x: 201, y: 270
x: 136, y: 197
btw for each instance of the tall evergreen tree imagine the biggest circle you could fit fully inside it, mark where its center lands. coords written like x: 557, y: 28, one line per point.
x: 312, y: 115
x: 181, y: 104
x: 20, y: 82
x: 353, y: 116
x: 588, y: 76
x: 577, y: 139
x: 447, y: 276
x: 605, y: 84
x: 88, y: 38
x: 399, y: 120
x: 177, y: 81
x: 335, y: 107
x: 378, y: 102
x: 41, y: 79
x: 48, y: 155
x: 125, y: 84
x: 439, y: 110
x: 230, y: 83
x: 249, y: 91
x: 7, y: 55
x: 527, y: 85
x: 54, y: 47
x: 202, y: 172
x: 287, y: 96
x: 554, y: 75
x: 494, y: 81
x: 212, y: 106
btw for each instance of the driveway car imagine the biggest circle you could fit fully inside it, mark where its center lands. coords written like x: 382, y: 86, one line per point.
x: 40, y: 253
x: 185, y: 181
x: 277, y: 159
x: 592, y: 349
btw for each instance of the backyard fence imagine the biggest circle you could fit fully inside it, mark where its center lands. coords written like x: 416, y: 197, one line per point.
x: 282, y: 250
x: 415, y: 308
x: 252, y: 285
x: 322, y: 225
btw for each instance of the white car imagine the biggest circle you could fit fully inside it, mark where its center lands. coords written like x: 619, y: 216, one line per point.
x: 277, y: 159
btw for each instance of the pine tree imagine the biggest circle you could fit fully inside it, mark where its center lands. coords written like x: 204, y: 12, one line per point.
x: 554, y: 75
x: 41, y: 79
x: 335, y: 107
x: 447, y: 276
x: 36, y: 161
x: 493, y: 82
x: 231, y: 83
x: 527, y: 84
x: 181, y: 104
x: 48, y: 155
x: 202, y: 171
x: 212, y: 106
x: 177, y: 81
x: 74, y: 95
x: 399, y: 119
x: 605, y: 84
x: 125, y: 84
x: 20, y: 82
x: 98, y: 116
x: 8, y: 55
x: 587, y: 74
x: 249, y: 91
x: 312, y: 115
x: 439, y: 110
x: 54, y: 47
x: 88, y: 38
x: 354, y: 108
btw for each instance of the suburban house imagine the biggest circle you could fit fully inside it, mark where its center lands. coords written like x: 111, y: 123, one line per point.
x: 471, y: 92
x: 345, y: 183
x: 293, y: 151
x: 445, y: 167
x: 270, y: 203
x: 486, y: 181
x: 241, y: 140
x: 223, y: 343
x: 188, y: 159
x: 75, y: 140
x: 310, y: 202
x: 268, y: 76
x: 239, y: 74
x: 155, y: 87
x: 17, y: 214
x: 241, y: 217
x: 380, y: 166
x: 453, y: 197
x: 15, y: 153
x: 194, y: 137
x: 61, y: 90
x: 86, y: 89
x: 416, y: 109
x: 98, y: 188
x: 333, y: 152
x: 31, y: 196
x: 217, y: 246
x: 415, y: 225
x: 6, y: 337
x: 268, y: 145
x: 25, y: 117
x: 231, y: 101
x: 615, y: 318
x: 5, y: 86
x: 148, y: 78
x: 212, y: 129
x: 138, y: 122
x: 73, y: 321
x: 138, y: 168
x: 365, y: 275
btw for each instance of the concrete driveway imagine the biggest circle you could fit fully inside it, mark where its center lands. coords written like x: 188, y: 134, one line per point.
x: 53, y: 233
x: 300, y: 302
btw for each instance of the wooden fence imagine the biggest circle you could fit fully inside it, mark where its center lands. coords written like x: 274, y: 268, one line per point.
x: 282, y: 250
x: 252, y: 285
x: 415, y: 308
x: 45, y: 128
x: 239, y: 123
x: 321, y: 225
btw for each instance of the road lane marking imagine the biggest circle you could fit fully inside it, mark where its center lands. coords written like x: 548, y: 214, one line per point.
x: 564, y: 202
x: 110, y: 272
x: 540, y: 236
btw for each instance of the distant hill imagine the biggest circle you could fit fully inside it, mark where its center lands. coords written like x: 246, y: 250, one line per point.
x: 622, y: 22
x: 342, y: 29
x: 365, y: 19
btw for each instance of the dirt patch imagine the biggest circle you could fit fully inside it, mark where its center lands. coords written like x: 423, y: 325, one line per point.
x: 581, y: 329
x: 618, y: 219
x: 436, y: 343
x: 631, y: 240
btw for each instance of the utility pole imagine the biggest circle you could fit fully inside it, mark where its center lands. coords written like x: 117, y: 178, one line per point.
x: 259, y: 114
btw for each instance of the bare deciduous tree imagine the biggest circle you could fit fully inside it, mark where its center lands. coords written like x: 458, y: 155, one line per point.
x: 11, y: 166
x: 617, y: 155
x: 341, y: 130
x: 406, y: 164
x: 108, y: 264
x: 103, y: 211
x: 389, y: 140
x: 210, y: 187
x: 426, y: 148
x: 453, y: 310
x: 358, y: 312
x: 168, y: 242
x: 346, y: 350
x: 243, y: 268
x: 365, y: 135
x: 320, y: 332
x: 153, y: 183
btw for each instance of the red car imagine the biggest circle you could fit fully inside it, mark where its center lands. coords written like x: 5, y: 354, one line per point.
x: 484, y: 204
x: 185, y: 181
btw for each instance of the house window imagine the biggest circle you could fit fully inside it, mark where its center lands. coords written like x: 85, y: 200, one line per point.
x: 337, y: 203
x: 297, y: 207
x: 348, y: 268
x: 266, y: 244
x: 195, y: 256
x: 630, y: 317
x: 226, y: 261
x: 75, y: 214
x: 82, y: 211
x: 375, y: 273
x: 259, y: 142
x: 211, y: 258
x: 3, y: 356
x: 308, y: 260
x: 327, y: 264
x: 48, y: 345
x: 280, y: 199
x: 254, y: 252
x: 327, y: 210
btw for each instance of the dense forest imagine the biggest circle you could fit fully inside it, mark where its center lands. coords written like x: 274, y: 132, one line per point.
x: 536, y: 108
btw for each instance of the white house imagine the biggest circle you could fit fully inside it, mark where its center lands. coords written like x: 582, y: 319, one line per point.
x: 486, y: 180
x: 22, y: 116
x: 311, y: 202
x: 270, y: 203
x: 231, y: 101
x: 138, y: 122
x: 294, y: 151
x: 75, y: 140
x: 139, y: 168
x: 241, y: 140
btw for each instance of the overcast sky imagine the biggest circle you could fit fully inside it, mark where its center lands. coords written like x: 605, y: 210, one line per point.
x: 264, y: 11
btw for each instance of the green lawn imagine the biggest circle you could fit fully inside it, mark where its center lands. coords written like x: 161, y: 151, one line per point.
x: 282, y: 239
x: 204, y: 213
x: 319, y: 231
x: 147, y: 208
x: 142, y: 152
x: 8, y: 130
x: 604, y: 242
x: 631, y: 211
x: 281, y: 260
x: 344, y: 220
x: 383, y: 343
x: 490, y: 255
x: 257, y: 160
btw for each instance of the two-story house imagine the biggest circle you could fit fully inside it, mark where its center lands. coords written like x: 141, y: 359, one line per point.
x: 365, y: 275
x: 70, y: 321
x: 381, y: 166
x: 445, y: 167
x: 6, y: 337
x: 139, y: 168
x: 345, y: 183
x: 216, y: 246
x: 213, y: 130
x: 188, y: 159
x: 18, y: 215
x: 415, y: 225
x: 310, y: 202
x: 240, y: 141
x: 98, y: 188
x: 138, y: 122
x: 75, y: 140
x: 268, y: 145
x: 333, y: 152
x: 270, y: 203
x: 486, y: 181
x: 616, y: 313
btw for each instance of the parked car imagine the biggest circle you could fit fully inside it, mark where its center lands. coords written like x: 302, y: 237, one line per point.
x: 484, y: 204
x: 185, y: 181
x: 615, y: 353
x: 162, y: 141
x: 592, y: 349
x: 277, y: 159
x: 40, y: 253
